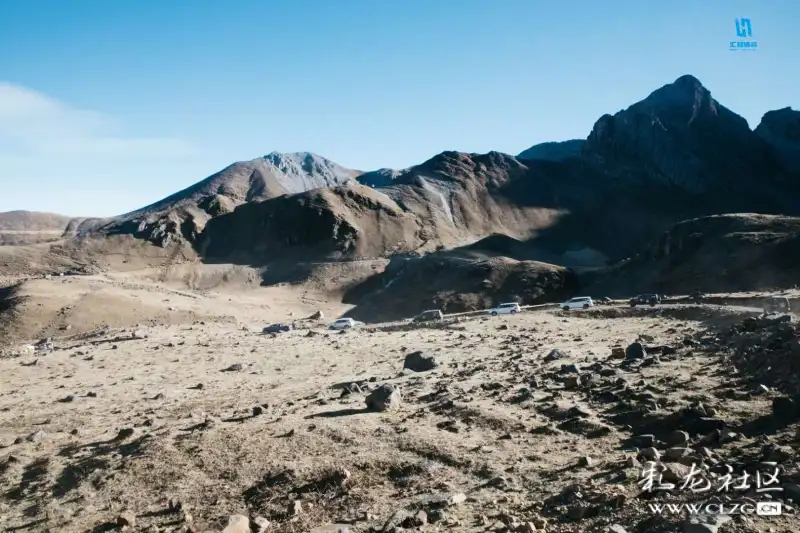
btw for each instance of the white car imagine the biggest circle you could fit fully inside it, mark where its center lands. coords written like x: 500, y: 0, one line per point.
x: 345, y: 323
x: 581, y: 302
x: 510, y: 308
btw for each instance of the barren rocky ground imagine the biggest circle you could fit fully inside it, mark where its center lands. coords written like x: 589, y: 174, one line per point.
x: 525, y: 423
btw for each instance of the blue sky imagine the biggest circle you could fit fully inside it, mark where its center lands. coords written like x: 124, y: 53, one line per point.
x: 108, y: 106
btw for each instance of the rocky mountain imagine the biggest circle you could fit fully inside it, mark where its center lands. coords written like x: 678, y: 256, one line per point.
x: 452, y: 199
x: 681, y: 137
x: 185, y: 213
x: 678, y: 154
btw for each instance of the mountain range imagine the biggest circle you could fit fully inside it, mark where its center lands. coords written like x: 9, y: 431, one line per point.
x: 677, y: 154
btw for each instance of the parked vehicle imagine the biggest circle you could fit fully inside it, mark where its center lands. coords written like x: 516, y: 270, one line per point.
x: 345, y: 323
x: 428, y: 316
x: 510, y: 308
x: 580, y: 302
x: 278, y: 328
x: 778, y: 304
x: 645, y: 299
x: 697, y: 297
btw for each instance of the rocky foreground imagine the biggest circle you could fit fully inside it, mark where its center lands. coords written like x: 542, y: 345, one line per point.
x: 543, y: 421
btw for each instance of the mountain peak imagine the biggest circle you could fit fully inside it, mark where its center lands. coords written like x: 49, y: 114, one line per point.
x: 309, y: 163
x: 685, y: 92
x: 688, y: 81
x: 298, y: 157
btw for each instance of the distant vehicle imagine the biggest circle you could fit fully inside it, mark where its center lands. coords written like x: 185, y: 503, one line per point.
x: 645, y: 299
x: 428, y: 316
x: 604, y: 300
x: 278, y: 328
x: 697, y: 297
x: 510, y: 308
x: 345, y: 323
x: 580, y: 302
x: 777, y: 304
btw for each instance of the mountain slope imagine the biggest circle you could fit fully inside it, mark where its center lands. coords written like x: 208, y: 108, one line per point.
x: 719, y: 253
x: 449, y: 200
x: 553, y: 151
x: 185, y: 213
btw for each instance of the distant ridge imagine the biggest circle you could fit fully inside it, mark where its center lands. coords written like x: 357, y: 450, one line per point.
x: 675, y: 155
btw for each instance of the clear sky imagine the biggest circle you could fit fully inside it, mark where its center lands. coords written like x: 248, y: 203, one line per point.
x: 106, y: 106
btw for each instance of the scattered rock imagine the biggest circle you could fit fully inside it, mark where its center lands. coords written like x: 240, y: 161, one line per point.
x: 585, y: 461
x: 124, y: 433
x: 674, y: 454
x: 236, y: 367
x: 649, y: 454
x: 36, y: 437
x: 126, y: 519
x: 705, y: 523
x: 174, y: 505
x: 554, y: 355
x: 258, y: 410
x: 296, y: 508
x: 237, y: 524
x: 792, y: 492
x: 418, y: 519
x: 261, y: 524
x: 384, y: 398
x: 420, y: 361
x: 785, y: 409
x: 442, y: 500
x: 634, y: 351
x: 632, y: 462
x: 677, y: 438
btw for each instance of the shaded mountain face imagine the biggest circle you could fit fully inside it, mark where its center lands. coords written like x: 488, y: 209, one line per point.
x: 678, y: 154
x: 719, y: 253
x: 680, y: 136
x: 781, y: 129
x: 553, y: 151
x: 448, y: 282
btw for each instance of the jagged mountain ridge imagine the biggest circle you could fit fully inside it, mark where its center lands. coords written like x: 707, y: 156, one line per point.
x: 675, y: 155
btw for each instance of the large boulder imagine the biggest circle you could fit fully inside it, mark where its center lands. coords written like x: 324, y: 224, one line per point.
x: 387, y: 397
x: 420, y: 361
